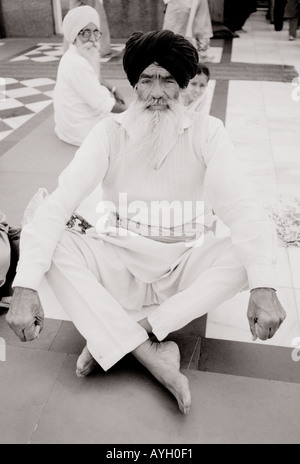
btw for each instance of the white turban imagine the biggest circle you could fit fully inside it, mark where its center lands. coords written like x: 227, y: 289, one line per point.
x: 77, y: 19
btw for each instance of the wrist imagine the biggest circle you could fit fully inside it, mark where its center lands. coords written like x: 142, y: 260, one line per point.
x: 263, y: 288
x: 113, y: 90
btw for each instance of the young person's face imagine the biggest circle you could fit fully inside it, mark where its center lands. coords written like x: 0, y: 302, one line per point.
x: 197, y: 86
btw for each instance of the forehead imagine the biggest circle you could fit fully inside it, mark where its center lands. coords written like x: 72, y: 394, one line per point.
x: 200, y: 78
x: 154, y: 69
x: 91, y: 26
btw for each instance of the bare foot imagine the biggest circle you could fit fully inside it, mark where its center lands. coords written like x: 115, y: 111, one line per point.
x: 163, y: 361
x: 85, y: 364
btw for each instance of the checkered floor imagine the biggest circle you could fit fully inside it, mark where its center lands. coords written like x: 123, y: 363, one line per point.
x: 21, y: 100
x: 48, y: 52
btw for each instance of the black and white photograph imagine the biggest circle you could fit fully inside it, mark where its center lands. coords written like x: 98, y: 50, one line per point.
x: 149, y: 224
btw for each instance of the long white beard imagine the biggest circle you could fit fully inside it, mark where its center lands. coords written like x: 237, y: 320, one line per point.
x: 152, y: 133
x: 91, y: 53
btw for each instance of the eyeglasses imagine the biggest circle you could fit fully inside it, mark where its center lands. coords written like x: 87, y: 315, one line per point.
x: 87, y: 34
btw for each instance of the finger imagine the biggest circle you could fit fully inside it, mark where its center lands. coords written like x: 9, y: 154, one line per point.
x: 272, y: 332
x: 20, y: 334
x: 32, y: 333
x: 262, y: 332
x: 252, y: 322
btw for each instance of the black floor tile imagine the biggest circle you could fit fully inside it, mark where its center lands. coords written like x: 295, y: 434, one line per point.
x: 68, y: 340
x: 33, y: 98
x: 14, y: 112
x: 249, y: 360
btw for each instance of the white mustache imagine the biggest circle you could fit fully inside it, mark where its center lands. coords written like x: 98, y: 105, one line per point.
x: 157, y: 102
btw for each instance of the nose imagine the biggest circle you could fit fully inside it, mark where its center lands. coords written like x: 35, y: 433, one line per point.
x: 157, y: 90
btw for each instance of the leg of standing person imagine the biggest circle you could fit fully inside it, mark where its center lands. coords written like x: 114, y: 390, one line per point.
x: 279, y: 8
x: 105, y: 44
x: 177, y: 17
x: 293, y: 26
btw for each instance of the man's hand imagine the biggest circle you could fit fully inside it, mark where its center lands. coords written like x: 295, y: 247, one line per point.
x: 119, y: 98
x: 26, y: 315
x: 265, y: 313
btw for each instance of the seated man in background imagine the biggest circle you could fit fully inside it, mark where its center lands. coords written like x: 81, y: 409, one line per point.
x: 105, y: 48
x: 80, y: 100
x: 155, y: 162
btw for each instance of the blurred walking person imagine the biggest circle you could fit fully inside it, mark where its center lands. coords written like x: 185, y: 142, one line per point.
x: 292, y: 13
x: 200, y: 27
x: 177, y: 16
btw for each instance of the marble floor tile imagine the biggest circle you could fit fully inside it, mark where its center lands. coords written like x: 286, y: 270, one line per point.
x: 23, y: 92
x: 10, y: 80
x: 9, y: 103
x: 38, y: 82
x: 38, y: 106
x: 14, y: 123
x: 44, y: 342
x: 294, y: 259
x: 27, y: 380
x: 49, y: 93
x: 249, y: 360
x: 20, y: 58
x: 297, y: 293
x: 45, y: 59
x: 289, y: 188
x: 5, y: 134
x: 140, y: 411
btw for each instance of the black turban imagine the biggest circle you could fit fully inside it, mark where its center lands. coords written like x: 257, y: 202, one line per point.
x: 171, y: 51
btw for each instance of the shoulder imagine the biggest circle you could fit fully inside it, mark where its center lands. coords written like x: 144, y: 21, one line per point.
x: 108, y: 126
x: 204, y: 123
x: 72, y: 59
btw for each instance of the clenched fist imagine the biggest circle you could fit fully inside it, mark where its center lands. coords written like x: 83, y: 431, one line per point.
x: 265, y: 313
x: 26, y: 315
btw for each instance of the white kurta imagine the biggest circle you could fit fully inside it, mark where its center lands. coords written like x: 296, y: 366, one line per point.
x: 4, y: 249
x: 80, y: 101
x: 96, y: 277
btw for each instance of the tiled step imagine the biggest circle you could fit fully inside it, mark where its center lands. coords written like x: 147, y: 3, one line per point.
x: 127, y: 406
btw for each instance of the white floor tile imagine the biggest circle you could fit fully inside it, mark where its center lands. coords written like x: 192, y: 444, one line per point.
x: 38, y: 82
x: 38, y: 106
x: 20, y: 58
x: 283, y: 270
x: 10, y: 80
x: 3, y: 135
x: 9, y: 103
x: 45, y: 59
x: 49, y: 94
x: 294, y: 257
x: 17, y: 122
x: 57, y: 53
x: 50, y: 44
x: 22, y: 92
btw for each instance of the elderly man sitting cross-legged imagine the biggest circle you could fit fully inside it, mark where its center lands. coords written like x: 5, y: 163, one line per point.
x: 155, y: 162
x: 81, y: 99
